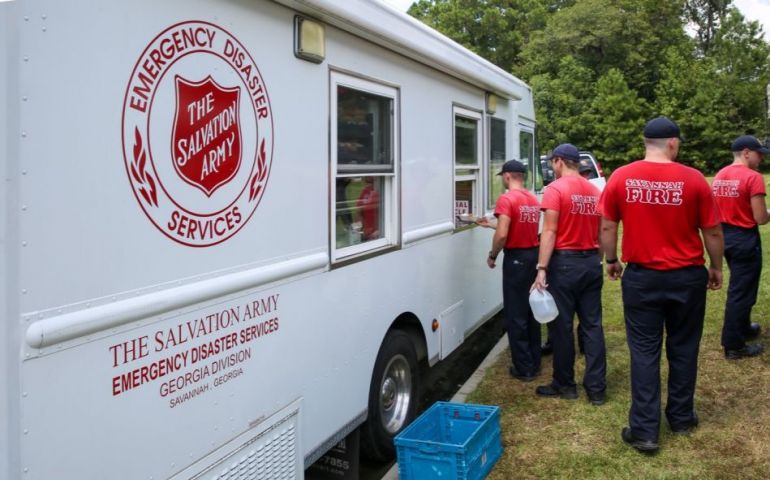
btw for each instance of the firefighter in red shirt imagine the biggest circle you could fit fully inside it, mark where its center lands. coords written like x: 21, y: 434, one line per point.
x: 665, y: 207
x: 739, y: 190
x: 569, y: 259
x: 518, y: 218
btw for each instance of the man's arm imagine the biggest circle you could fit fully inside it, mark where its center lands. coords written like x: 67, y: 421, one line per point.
x: 759, y: 209
x: 547, y: 242
x: 715, y: 247
x: 499, y: 238
x: 483, y: 221
x: 608, y: 239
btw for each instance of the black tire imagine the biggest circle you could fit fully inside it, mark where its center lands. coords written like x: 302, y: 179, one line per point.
x: 396, y: 354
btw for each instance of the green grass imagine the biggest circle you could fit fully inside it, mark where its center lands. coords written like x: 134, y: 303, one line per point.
x: 547, y: 438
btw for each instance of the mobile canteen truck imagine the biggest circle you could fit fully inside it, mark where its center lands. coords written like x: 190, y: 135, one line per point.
x: 232, y: 230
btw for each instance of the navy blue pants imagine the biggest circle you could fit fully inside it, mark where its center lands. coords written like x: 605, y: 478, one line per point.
x: 580, y: 337
x: 575, y: 281
x: 743, y: 251
x: 523, y: 330
x: 654, y: 300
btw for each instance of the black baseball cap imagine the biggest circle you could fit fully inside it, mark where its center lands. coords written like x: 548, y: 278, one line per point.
x: 513, y: 166
x: 750, y: 142
x: 585, y: 167
x: 567, y: 151
x: 662, y: 127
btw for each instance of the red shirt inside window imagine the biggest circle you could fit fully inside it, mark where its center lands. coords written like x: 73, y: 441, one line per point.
x: 522, y: 208
x: 369, y: 203
x: 662, y: 207
x: 733, y: 188
x: 575, y: 198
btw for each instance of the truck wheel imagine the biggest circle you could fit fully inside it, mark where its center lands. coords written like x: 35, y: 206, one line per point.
x: 392, y: 396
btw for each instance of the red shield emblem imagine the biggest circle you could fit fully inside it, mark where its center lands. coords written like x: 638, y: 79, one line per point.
x: 206, y: 137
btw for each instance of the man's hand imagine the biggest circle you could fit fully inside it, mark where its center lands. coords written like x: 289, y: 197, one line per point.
x: 614, y: 270
x: 484, y: 222
x: 540, y: 281
x: 714, y: 241
x: 491, y: 262
x: 715, y: 279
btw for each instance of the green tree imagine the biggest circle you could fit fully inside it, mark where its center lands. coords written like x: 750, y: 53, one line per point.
x: 693, y: 93
x: 562, y: 102
x: 705, y: 16
x: 494, y: 29
x: 742, y: 59
x: 600, y: 68
x: 718, y: 96
x: 604, y: 34
x: 616, y: 117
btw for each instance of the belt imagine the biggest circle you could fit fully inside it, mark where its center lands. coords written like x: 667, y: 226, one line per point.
x: 577, y: 253
x: 515, y: 250
x: 736, y: 228
x: 640, y: 266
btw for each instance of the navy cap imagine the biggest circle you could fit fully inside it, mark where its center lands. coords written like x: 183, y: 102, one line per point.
x: 567, y: 151
x: 513, y: 166
x: 750, y: 142
x: 662, y: 127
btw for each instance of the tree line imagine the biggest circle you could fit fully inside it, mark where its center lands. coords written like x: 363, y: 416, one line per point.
x: 599, y: 69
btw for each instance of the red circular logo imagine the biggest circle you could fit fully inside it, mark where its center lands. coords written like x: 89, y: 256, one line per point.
x: 197, y: 133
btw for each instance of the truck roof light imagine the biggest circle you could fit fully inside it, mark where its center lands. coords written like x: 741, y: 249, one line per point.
x: 309, y: 40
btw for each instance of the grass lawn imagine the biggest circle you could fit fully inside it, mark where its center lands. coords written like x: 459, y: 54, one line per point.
x: 549, y: 438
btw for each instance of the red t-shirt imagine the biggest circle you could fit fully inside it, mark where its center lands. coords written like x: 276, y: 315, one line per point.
x: 369, y: 203
x: 575, y: 198
x: 662, y: 207
x: 733, y: 188
x: 522, y: 208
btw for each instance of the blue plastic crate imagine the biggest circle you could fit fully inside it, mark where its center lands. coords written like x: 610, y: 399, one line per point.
x: 450, y: 440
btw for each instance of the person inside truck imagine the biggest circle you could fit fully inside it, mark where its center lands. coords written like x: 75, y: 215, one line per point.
x: 586, y: 170
x: 368, y: 204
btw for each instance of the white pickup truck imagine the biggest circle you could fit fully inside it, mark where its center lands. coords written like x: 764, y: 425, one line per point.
x: 586, y: 158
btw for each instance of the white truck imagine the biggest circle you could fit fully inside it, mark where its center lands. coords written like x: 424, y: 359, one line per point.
x: 231, y: 230
x: 587, y: 159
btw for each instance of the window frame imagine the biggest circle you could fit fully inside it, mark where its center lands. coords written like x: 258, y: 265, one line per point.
x: 534, y: 166
x: 390, y: 173
x: 477, y: 185
x: 490, y: 203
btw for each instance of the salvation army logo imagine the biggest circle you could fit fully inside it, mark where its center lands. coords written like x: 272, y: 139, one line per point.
x: 206, y: 141
x: 197, y: 133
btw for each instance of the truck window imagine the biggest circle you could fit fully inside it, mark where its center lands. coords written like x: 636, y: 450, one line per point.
x: 467, y: 154
x: 546, y: 173
x: 527, y: 155
x: 585, y: 161
x: 496, y: 159
x: 364, y: 166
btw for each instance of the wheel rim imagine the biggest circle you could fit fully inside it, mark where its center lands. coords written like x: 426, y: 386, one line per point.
x: 395, y: 394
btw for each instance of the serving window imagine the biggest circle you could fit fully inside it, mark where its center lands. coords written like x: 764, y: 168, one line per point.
x: 364, y: 166
x: 467, y: 158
